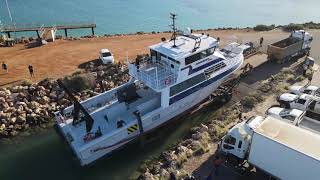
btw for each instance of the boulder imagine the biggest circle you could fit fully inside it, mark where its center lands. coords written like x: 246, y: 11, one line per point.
x: 33, y: 105
x: 12, y: 120
x: 2, y: 99
x: 44, y: 100
x: 53, y: 95
x: 20, y: 103
x: 196, y: 136
x: 164, y: 174
x: 204, y: 128
x: 195, y: 130
x: 21, y: 119
x: 2, y: 127
x: 195, y: 145
x: 13, y: 133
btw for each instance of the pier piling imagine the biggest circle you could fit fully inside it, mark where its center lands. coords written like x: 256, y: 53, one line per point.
x: 66, y: 33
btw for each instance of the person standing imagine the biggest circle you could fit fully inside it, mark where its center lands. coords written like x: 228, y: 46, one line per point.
x: 30, y: 67
x: 5, y: 67
x: 261, y: 41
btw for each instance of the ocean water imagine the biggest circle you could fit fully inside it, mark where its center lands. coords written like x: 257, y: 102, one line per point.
x: 125, y: 16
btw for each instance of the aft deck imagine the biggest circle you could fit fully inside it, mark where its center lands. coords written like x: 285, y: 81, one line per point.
x: 106, y: 117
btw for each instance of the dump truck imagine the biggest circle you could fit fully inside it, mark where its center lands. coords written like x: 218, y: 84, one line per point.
x: 278, y: 148
x: 297, y: 45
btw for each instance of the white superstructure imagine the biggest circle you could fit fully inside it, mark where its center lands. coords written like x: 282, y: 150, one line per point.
x: 178, y: 75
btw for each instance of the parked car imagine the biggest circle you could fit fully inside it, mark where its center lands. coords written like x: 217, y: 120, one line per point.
x: 298, y: 90
x: 288, y: 115
x: 293, y: 101
x: 106, y: 56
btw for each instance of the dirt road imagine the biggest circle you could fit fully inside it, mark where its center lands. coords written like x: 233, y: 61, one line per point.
x: 63, y: 57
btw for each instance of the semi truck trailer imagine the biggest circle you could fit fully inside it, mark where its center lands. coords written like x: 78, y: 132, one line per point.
x: 276, y: 147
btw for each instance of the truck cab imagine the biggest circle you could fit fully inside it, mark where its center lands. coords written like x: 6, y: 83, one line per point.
x: 305, y: 36
x: 237, y: 141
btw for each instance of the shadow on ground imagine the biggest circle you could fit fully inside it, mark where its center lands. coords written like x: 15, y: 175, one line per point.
x: 33, y: 44
x: 95, y: 62
x: 265, y: 71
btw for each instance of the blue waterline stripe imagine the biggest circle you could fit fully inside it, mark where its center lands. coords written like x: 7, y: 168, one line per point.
x: 200, y: 86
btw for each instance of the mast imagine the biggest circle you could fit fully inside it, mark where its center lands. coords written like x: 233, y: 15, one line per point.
x: 11, y: 19
x: 174, y: 29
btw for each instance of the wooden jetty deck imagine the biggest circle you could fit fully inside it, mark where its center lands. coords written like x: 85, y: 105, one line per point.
x: 37, y: 28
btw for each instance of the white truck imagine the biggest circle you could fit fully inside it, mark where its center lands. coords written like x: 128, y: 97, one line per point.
x: 276, y: 147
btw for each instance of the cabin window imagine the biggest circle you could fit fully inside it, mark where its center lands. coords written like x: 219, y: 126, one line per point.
x: 187, y: 84
x: 172, y: 66
x: 193, y: 58
x: 153, y: 54
x: 198, y: 56
x: 163, y: 56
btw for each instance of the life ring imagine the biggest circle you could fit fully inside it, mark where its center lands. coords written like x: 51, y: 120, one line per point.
x: 167, y: 81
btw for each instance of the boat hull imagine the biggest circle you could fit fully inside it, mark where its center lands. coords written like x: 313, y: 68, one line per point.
x: 151, y: 121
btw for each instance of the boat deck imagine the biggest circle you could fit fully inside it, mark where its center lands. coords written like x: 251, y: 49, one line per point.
x: 106, y: 117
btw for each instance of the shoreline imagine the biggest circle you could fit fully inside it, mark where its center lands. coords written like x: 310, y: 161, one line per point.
x: 308, y: 25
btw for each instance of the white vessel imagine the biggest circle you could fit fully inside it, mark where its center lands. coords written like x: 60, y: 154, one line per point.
x: 179, y: 74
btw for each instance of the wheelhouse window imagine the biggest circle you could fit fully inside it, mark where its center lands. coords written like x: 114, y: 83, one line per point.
x: 187, y: 84
x: 200, y: 55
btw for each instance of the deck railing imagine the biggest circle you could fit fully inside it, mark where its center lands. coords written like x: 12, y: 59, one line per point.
x: 156, y: 75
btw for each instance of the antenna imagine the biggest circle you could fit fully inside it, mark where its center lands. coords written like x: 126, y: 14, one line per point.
x: 174, y: 29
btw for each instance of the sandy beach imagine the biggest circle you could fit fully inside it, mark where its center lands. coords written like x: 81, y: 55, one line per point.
x: 63, y: 57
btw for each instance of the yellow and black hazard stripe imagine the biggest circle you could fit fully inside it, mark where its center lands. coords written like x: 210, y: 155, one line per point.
x: 132, y: 128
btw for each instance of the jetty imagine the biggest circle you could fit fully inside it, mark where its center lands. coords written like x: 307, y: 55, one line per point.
x: 38, y: 28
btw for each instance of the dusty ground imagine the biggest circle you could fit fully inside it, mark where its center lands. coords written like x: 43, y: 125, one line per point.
x: 63, y: 57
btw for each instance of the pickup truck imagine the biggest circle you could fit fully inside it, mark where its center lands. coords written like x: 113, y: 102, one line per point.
x: 298, y: 90
x: 288, y: 115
